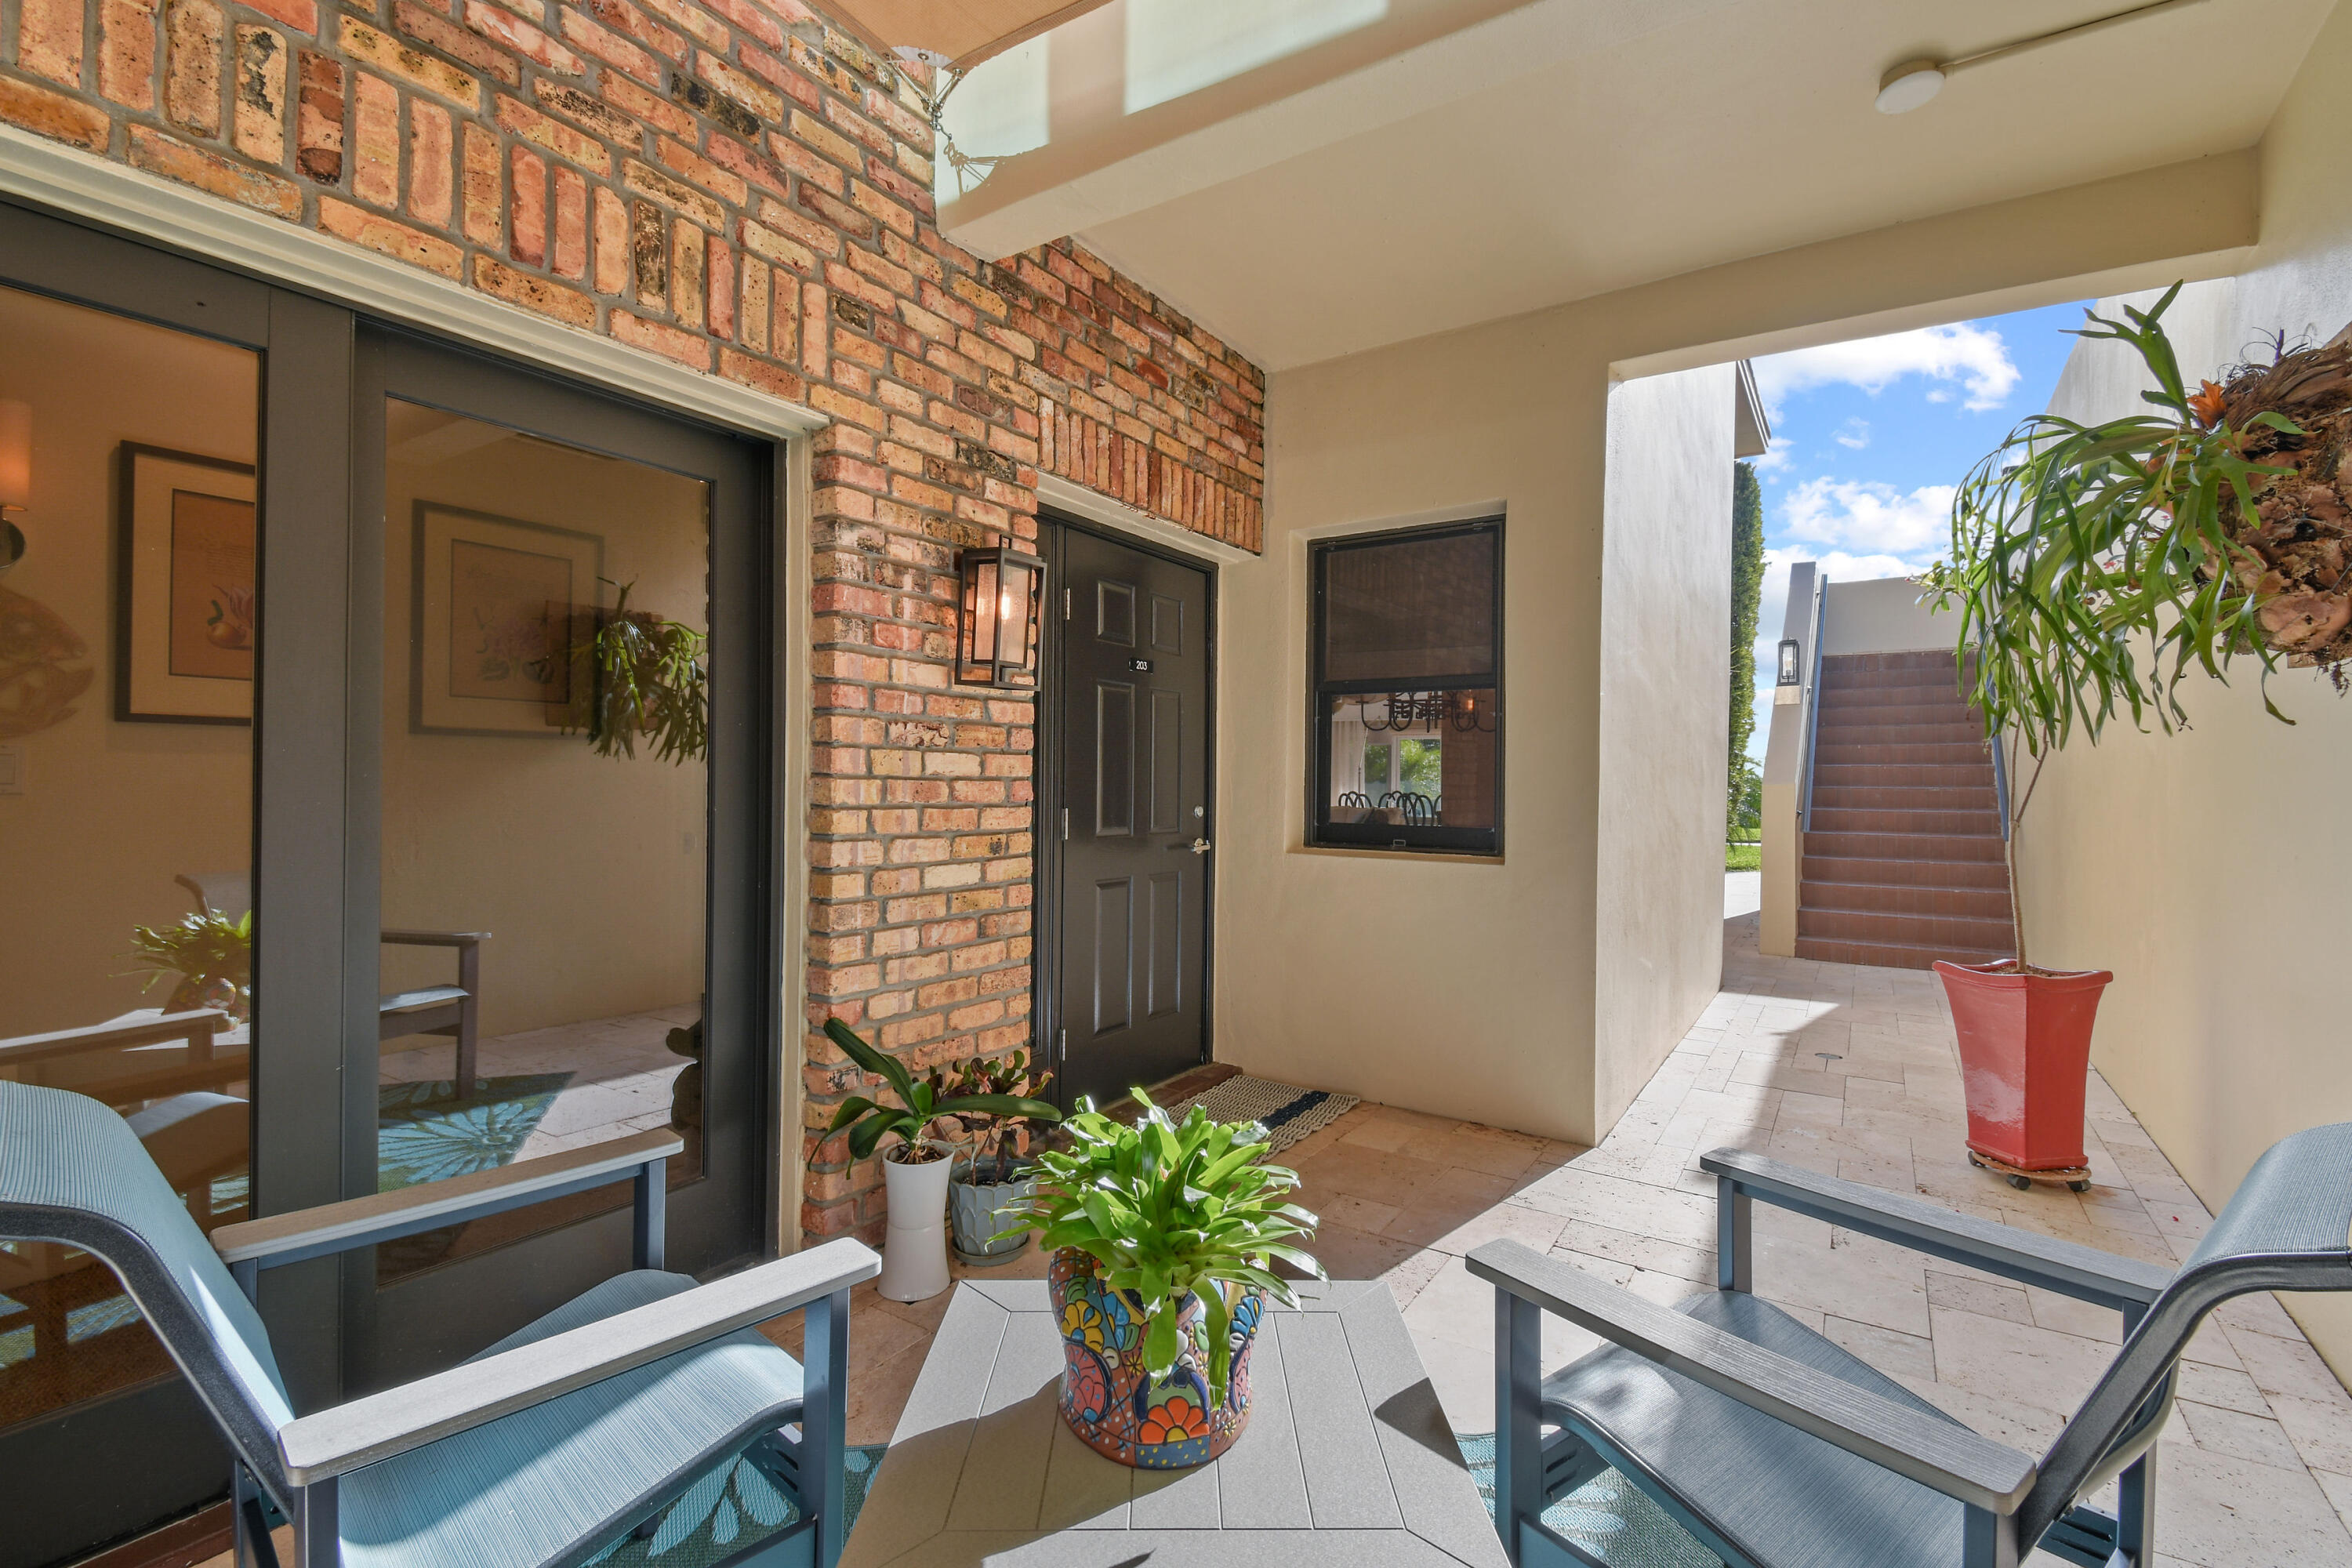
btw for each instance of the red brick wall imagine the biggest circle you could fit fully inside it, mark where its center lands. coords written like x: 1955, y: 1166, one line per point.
x: 739, y: 187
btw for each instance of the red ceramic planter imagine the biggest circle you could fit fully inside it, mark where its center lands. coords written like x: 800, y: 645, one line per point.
x: 2025, y: 1051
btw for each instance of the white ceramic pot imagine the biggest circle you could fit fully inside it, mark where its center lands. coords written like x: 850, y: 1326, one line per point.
x: 915, y: 1248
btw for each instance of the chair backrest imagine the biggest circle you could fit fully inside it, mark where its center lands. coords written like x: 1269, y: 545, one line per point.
x: 2289, y: 1227
x: 72, y: 1172
x: 229, y: 893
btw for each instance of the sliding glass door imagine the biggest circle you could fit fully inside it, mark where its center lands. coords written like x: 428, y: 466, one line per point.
x: 388, y: 791
x: 570, y: 604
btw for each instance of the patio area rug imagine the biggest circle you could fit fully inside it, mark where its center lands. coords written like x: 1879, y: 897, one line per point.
x: 423, y: 1133
x: 1286, y: 1112
x: 1609, y: 1517
x: 729, y: 1511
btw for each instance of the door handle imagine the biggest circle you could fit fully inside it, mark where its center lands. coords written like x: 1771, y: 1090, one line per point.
x: 1198, y: 847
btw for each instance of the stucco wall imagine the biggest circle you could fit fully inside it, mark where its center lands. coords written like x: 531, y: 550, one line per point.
x: 1665, y: 648
x: 1882, y: 615
x: 2224, y: 1029
x: 1466, y: 987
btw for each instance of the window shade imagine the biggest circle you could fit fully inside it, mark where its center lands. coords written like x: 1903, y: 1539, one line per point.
x: 1412, y: 610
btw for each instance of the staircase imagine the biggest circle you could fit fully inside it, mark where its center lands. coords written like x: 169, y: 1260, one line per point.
x: 1903, y: 863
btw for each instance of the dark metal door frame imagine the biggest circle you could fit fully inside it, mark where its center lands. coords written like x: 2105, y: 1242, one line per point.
x: 315, y: 880
x: 166, y: 1457
x: 720, y: 1219
x: 1053, y: 527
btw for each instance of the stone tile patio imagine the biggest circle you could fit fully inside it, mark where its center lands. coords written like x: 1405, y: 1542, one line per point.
x: 1844, y: 1069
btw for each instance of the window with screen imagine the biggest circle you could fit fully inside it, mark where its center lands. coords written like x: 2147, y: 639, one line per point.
x: 1407, y: 724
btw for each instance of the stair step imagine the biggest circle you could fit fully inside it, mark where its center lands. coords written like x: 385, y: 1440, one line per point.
x: 1940, y: 693
x: 1864, y: 716
x: 1888, y: 929
x: 1880, y: 663
x: 1903, y: 776
x: 1977, y: 901
x: 1897, y: 872
x: 1890, y: 956
x: 1950, y: 754
x: 1889, y: 796
x: 1904, y: 846
x: 1879, y: 736
x: 1923, y: 824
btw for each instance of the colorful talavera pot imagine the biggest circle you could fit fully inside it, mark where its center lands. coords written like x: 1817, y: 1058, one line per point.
x: 1116, y: 1408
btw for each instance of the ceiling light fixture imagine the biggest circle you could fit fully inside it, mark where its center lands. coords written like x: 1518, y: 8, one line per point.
x: 1907, y: 85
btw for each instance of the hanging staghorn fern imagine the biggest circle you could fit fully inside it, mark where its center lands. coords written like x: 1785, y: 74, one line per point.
x: 640, y: 673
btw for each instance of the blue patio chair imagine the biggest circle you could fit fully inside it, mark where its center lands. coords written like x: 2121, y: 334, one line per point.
x: 1774, y: 1448
x: 546, y: 1447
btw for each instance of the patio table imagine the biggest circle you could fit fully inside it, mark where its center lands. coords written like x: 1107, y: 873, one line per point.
x: 1347, y: 1462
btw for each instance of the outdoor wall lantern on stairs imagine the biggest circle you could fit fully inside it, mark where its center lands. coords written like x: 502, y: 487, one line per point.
x: 996, y: 633
x: 1788, y: 661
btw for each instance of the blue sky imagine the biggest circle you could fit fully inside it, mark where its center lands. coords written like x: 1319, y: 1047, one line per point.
x: 1869, y: 439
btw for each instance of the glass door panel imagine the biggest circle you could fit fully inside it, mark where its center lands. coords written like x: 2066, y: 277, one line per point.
x: 545, y: 789
x: 128, y: 637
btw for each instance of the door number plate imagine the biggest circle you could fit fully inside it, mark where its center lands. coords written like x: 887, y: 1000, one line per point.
x: 1138, y: 664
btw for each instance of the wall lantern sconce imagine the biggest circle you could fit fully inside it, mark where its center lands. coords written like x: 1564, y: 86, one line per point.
x: 996, y: 635
x: 1788, y: 661
x: 16, y: 476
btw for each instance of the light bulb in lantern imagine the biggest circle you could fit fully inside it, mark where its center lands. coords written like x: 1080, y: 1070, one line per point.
x: 15, y: 453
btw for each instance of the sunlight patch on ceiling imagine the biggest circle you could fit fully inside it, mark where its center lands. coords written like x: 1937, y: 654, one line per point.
x: 1178, y: 46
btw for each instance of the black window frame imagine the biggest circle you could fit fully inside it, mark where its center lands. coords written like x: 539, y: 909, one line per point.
x: 1321, y: 831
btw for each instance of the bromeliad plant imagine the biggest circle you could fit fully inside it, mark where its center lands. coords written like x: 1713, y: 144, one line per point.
x: 1174, y: 1209
x: 209, y: 955
x: 921, y: 1102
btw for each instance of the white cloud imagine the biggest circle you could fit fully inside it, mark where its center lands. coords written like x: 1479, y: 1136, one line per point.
x: 1854, y: 434
x: 1776, y: 456
x: 1966, y: 354
x: 1868, y: 515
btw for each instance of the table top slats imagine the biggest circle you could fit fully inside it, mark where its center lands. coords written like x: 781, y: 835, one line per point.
x: 1004, y: 1482
x: 1346, y: 1476
x: 927, y: 1452
x: 1268, y: 1492
x: 1346, y: 1463
x: 1414, y: 1436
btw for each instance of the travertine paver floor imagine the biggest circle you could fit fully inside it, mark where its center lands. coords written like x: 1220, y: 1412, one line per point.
x: 2254, y: 1466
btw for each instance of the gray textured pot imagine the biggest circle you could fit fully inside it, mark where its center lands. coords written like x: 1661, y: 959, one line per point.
x: 980, y: 1210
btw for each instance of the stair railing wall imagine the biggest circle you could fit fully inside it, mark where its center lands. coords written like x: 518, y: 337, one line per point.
x: 1813, y: 709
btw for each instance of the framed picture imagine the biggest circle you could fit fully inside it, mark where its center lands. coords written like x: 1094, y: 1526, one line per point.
x: 184, y: 610
x: 499, y: 607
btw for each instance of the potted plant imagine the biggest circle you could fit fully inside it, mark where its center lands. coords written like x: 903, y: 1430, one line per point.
x: 209, y: 955
x: 2091, y: 566
x: 1164, y: 1236
x: 989, y: 1186
x: 914, y: 1167
x: 641, y: 674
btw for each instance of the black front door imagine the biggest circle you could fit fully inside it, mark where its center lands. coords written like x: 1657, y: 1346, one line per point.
x: 1131, y: 684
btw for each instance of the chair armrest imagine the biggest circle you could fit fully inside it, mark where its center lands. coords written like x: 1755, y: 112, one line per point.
x: 365, y: 1431
x: 1921, y: 1447
x: 2067, y: 1267
x: 189, y: 1026
x: 435, y: 938
x: 387, y: 1216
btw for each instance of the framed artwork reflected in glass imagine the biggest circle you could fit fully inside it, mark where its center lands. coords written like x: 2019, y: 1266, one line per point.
x: 500, y: 611
x: 185, y: 612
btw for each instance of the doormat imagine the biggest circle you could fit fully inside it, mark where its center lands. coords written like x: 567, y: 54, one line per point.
x: 1286, y: 1112
x: 1608, y: 1518
x: 423, y: 1133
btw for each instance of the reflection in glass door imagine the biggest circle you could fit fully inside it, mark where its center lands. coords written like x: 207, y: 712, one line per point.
x: 128, y: 636
x: 545, y: 782
x: 568, y: 802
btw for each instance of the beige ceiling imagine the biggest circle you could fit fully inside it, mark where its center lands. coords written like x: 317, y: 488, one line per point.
x: 1555, y: 150
x: 961, y: 30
